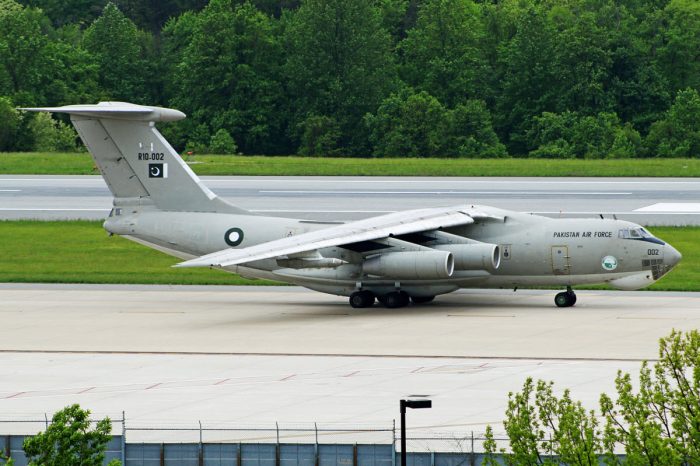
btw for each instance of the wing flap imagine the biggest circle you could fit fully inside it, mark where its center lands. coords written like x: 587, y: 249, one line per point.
x: 394, y: 224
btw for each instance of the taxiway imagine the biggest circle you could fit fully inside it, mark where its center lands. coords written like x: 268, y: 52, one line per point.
x: 259, y: 355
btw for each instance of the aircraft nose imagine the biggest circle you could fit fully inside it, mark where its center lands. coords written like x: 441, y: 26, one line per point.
x: 672, y: 256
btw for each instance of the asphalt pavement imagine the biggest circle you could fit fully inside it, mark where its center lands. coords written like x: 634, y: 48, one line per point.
x: 649, y: 201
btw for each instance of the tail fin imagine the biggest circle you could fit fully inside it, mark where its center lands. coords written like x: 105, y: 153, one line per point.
x: 136, y: 161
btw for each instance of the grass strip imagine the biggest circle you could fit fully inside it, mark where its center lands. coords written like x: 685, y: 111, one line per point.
x: 222, y: 165
x: 82, y: 252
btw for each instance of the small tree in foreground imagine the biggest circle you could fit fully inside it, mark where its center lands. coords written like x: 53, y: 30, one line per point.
x: 70, y: 441
x: 656, y: 423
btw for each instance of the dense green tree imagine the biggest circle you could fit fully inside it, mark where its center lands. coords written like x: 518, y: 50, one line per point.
x: 319, y: 136
x: 120, y: 50
x: 526, y: 78
x: 408, y: 124
x: 679, y: 51
x: 9, y: 125
x: 229, y: 76
x: 418, y: 125
x: 572, y: 135
x: 74, y: 72
x: 151, y: 15
x: 442, y: 53
x: 470, y: 132
x: 22, y: 52
x: 63, y: 12
x: 636, y: 86
x: 70, y: 440
x: 678, y: 133
x: 339, y: 63
x: 581, y: 66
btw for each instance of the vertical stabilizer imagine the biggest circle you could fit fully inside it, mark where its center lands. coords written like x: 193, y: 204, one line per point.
x: 136, y: 161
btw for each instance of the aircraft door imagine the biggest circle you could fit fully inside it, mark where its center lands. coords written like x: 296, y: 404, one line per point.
x: 560, y: 260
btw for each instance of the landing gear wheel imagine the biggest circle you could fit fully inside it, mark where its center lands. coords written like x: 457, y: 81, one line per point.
x: 565, y: 299
x: 362, y: 299
x: 395, y: 299
x: 422, y: 299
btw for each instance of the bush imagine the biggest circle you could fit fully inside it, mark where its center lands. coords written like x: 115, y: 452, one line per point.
x: 222, y: 143
x: 52, y: 135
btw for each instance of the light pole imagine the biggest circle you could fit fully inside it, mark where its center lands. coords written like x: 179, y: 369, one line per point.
x: 413, y: 404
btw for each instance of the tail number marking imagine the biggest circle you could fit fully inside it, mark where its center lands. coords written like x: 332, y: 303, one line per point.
x: 153, y: 156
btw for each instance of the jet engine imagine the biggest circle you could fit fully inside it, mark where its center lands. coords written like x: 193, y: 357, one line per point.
x: 474, y: 256
x: 418, y: 265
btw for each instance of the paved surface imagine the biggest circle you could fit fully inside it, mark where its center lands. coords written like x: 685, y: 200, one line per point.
x: 656, y: 201
x: 256, y: 355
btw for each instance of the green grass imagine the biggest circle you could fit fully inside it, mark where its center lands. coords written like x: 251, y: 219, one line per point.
x: 81, y: 164
x: 686, y: 275
x: 81, y: 252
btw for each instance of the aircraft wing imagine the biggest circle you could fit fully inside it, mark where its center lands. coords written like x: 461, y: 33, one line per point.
x: 383, y: 226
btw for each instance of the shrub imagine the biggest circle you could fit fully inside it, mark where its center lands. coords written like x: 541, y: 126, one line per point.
x: 222, y: 143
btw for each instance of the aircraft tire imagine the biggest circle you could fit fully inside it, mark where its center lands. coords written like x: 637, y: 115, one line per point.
x: 395, y: 299
x: 565, y: 299
x: 362, y: 299
x: 422, y: 299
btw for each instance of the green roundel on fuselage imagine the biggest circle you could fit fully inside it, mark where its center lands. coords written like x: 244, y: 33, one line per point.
x: 609, y: 263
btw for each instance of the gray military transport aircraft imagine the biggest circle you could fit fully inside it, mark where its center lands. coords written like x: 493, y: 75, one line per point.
x: 397, y: 258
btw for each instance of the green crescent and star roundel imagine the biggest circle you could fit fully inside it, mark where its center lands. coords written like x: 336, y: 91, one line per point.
x: 609, y: 263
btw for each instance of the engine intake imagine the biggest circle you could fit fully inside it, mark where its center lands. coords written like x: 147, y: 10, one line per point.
x: 411, y: 265
x: 475, y: 256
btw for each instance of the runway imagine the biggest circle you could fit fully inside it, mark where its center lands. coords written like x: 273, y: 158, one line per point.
x: 649, y: 201
x: 259, y: 355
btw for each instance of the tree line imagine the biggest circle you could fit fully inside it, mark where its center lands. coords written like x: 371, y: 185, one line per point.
x: 382, y: 78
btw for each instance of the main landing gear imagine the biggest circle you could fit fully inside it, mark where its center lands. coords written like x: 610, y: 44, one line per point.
x: 565, y: 298
x: 393, y: 300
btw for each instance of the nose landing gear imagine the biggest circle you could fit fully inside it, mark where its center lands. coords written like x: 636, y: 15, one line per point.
x: 565, y: 298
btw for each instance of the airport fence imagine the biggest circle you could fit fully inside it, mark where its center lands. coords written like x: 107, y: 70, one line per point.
x: 219, y: 444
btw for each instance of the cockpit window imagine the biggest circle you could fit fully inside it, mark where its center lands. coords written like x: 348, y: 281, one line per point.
x: 634, y: 233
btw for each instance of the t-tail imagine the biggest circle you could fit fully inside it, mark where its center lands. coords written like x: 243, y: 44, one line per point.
x: 139, y: 166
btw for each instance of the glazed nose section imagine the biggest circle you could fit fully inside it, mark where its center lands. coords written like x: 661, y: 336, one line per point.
x: 671, y: 256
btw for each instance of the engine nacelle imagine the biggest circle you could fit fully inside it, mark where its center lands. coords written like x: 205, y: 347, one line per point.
x: 411, y: 265
x: 474, y: 256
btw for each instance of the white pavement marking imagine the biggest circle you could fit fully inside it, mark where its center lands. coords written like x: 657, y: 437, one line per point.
x: 10, y: 190
x: 447, y: 191
x: 679, y: 207
x: 41, y: 209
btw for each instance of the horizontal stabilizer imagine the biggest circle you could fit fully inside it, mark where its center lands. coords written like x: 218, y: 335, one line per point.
x: 116, y: 110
